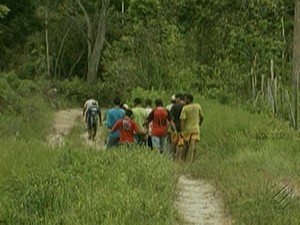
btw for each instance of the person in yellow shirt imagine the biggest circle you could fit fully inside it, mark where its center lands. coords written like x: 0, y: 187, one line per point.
x: 191, y: 118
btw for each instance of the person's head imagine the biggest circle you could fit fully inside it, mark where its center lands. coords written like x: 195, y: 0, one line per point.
x: 148, y: 102
x: 124, y: 106
x: 158, y: 102
x: 128, y: 113
x: 179, y: 97
x: 189, y: 98
x: 117, y: 101
x: 137, y: 101
x: 173, y: 99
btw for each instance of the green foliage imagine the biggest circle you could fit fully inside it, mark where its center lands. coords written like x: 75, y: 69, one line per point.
x: 3, y: 11
x: 148, y: 94
x: 15, y: 27
x: 200, y: 46
x: 24, y: 107
x: 116, y: 187
x: 77, y: 90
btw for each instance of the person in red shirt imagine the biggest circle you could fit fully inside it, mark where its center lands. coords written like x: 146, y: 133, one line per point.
x: 127, y: 128
x: 161, y: 119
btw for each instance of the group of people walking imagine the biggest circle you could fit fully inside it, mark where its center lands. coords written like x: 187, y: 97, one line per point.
x: 175, y: 128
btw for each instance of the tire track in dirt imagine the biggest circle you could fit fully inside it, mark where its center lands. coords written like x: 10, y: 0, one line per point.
x: 199, y: 203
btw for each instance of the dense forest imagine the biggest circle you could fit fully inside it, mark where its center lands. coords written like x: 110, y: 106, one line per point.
x: 216, y: 48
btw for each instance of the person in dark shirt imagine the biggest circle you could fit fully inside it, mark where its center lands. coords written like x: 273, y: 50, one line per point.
x: 176, y: 138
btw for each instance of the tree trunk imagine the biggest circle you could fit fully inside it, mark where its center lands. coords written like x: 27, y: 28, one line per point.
x: 95, y: 45
x: 47, y: 44
x: 94, y: 60
x: 296, y: 59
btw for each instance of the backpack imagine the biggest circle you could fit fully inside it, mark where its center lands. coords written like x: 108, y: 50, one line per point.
x: 93, y: 119
x: 126, y: 124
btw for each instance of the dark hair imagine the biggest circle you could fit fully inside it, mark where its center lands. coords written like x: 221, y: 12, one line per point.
x: 148, y: 102
x: 128, y: 112
x: 189, y: 97
x: 158, y: 102
x: 180, y: 96
x: 117, y: 101
x: 137, y: 101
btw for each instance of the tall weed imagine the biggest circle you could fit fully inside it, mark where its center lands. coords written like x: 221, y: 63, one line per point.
x: 244, y: 154
x: 114, y: 187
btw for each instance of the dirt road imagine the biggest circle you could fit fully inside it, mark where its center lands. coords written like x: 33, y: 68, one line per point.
x: 200, y: 203
x: 64, y: 120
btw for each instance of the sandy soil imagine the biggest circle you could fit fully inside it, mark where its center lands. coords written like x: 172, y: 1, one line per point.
x: 200, y: 203
x: 64, y: 120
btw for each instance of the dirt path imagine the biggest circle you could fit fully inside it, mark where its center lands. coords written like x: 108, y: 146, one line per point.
x: 198, y: 201
x: 64, y: 120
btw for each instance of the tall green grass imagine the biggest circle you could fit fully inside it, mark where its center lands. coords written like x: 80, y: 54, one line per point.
x: 78, y: 186
x: 244, y: 154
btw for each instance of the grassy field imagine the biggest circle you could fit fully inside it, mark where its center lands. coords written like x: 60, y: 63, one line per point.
x: 240, y: 153
x: 80, y: 186
x: 246, y: 156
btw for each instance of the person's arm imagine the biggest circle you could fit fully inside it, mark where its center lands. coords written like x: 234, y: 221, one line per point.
x: 171, y: 122
x: 116, y: 126
x: 149, y: 118
x: 182, y: 119
x: 86, y: 115
x: 108, y: 120
x: 100, y: 116
x: 201, y: 116
x: 84, y: 109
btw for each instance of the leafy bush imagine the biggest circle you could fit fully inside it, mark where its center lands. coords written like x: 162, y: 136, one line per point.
x: 151, y: 94
x: 77, y: 90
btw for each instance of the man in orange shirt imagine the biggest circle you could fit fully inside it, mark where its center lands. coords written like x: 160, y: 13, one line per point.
x: 127, y: 128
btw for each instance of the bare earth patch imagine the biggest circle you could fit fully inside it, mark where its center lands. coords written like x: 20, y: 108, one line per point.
x: 64, y: 120
x: 200, y: 203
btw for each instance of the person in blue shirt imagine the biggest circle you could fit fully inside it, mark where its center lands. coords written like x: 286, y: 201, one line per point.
x: 93, y: 119
x: 112, y: 116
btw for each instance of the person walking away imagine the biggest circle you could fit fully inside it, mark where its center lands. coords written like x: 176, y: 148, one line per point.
x: 88, y: 103
x: 148, y: 107
x: 161, y: 119
x: 112, y: 116
x: 139, y: 116
x: 168, y: 139
x: 127, y: 128
x: 176, y: 138
x: 191, y: 118
x: 93, y: 119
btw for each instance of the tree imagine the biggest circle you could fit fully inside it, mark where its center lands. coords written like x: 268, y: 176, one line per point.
x: 95, y: 37
x: 18, y: 24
